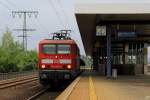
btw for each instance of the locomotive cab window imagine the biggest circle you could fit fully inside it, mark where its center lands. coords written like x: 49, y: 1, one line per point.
x: 63, y: 49
x: 49, y: 49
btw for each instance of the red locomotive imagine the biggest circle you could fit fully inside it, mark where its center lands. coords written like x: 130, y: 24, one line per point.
x: 58, y: 59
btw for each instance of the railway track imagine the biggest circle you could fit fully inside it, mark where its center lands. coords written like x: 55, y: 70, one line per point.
x: 8, y: 84
x: 36, y: 95
x: 27, y: 88
x: 45, y: 94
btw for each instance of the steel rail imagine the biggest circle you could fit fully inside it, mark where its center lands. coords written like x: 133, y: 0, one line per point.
x: 9, y: 81
x: 37, y: 94
x: 15, y: 83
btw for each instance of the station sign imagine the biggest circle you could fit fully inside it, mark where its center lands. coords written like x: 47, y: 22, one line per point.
x: 100, y: 30
x: 126, y: 34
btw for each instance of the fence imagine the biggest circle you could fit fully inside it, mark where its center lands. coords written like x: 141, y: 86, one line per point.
x: 4, y: 76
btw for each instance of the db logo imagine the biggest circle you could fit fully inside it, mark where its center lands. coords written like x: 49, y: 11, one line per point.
x: 55, y: 61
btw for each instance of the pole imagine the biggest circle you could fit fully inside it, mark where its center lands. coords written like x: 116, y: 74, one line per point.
x: 109, y: 60
x: 24, y: 30
x: 25, y: 33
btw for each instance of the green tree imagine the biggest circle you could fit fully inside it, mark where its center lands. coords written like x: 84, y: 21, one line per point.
x: 7, y: 40
x: 31, y: 61
x: 87, y: 60
x: 7, y: 52
x: 12, y: 58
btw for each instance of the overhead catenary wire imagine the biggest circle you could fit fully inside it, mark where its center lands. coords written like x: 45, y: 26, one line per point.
x: 35, y: 23
x: 8, y: 8
x: 39, y: 24
x: 24, y: 25
x: 53, y: 6
x: 65, y: 17
x: 57, y: 14
x: 67, y: 22
x: 24, y: 29
x: 11, y: 3
x: 4, y: 5
x: 64, y: 12
x: 16, y: 7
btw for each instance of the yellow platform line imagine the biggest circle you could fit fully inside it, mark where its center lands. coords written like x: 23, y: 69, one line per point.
x: 92, y: 92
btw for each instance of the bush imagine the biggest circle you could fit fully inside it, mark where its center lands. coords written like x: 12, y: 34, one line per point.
x: 12, y: 58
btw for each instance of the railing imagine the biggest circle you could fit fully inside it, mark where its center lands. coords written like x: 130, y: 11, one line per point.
x: 10, y: 75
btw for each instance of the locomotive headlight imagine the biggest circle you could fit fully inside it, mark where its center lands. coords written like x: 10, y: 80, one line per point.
x: 69, y: 66
x: 43, y: 66
x: 65, y: 61
x: 47, y: 61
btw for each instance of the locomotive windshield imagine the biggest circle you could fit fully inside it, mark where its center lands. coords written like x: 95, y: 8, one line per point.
x: 63, y: 49
x: 55, y: 49
x: 49, y: 49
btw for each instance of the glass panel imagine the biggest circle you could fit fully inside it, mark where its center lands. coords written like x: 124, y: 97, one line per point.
x: 138, y: 46
x: 134, y: 46
x: 49, y: 49
x: 142, y: 45
x: 63, y: 49
x: 130, y: 47
x: 129, y: 59
x: 134, y: 59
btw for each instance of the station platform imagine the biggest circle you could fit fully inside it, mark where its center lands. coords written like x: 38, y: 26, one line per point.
x: 91, y: 86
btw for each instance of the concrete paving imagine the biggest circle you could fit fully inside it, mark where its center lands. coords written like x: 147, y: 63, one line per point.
x: 81, y: 90
x: 122, y: 88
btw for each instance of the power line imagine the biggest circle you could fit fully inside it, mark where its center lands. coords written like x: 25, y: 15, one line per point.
x: 25, y: 35
x: 24, y: 29
x: 39, y: 23
x: 8, y: 8
x: 67, y: 22
x: 14, y: 6
x: 64, y: 12
x: 56, y: 12
x: 11, y: 3
x: 4, y: 5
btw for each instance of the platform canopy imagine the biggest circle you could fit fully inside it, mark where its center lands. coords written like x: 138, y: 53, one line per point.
x: 89, y: 12
x: 112, y: 6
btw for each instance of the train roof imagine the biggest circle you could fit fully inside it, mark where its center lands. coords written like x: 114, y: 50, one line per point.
x: 45, y: 41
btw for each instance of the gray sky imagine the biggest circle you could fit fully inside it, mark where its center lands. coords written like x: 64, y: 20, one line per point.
x: 53, y: 15
x: 112, y: 1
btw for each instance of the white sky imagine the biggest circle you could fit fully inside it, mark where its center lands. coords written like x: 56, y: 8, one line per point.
x: 53, y: 15
x: 112, y: 1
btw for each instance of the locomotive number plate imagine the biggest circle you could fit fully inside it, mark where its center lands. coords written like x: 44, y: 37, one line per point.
x: 55, y: 61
